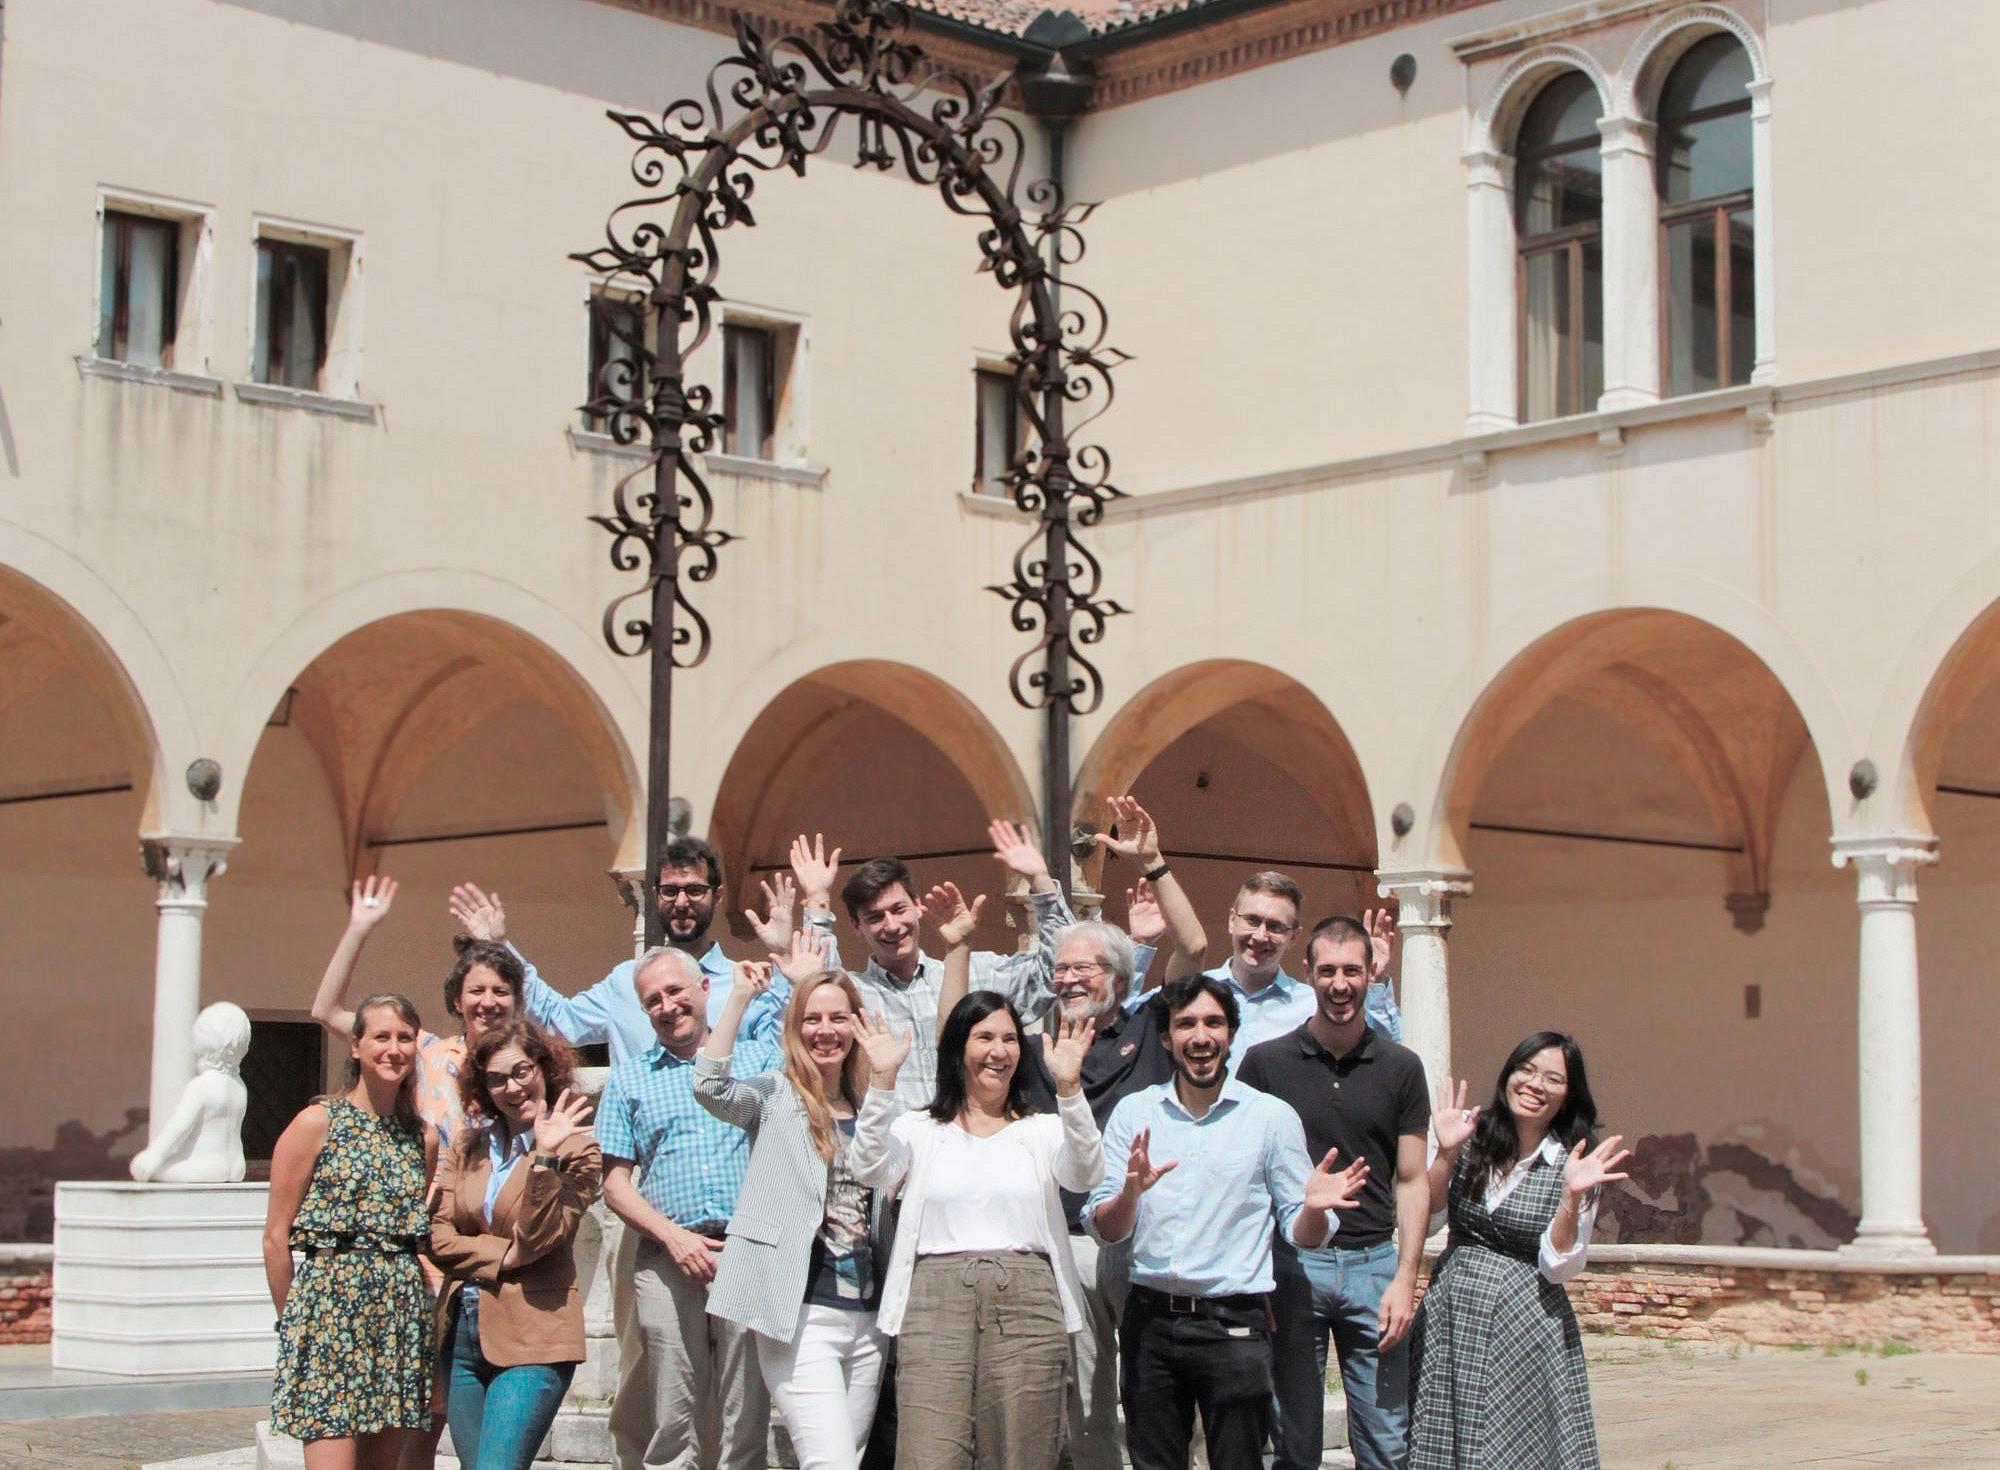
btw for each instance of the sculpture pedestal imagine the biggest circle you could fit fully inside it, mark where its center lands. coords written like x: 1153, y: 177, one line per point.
x: 159, y: 1279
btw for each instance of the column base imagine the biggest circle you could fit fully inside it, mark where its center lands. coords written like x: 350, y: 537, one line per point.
x: 1890, y: 1239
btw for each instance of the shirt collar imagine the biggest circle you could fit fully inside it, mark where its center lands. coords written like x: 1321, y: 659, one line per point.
x: 1362, y: 1050
x: 715, y: 962
x: 881, y: 976
x: 1233, y: 1092
x: 503, y: 1146
x: 657, y: 1056
x: 1282, y: 985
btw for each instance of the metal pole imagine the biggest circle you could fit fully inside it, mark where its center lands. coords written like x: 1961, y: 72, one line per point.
x: 668, y: 410
x: 1056, y: 815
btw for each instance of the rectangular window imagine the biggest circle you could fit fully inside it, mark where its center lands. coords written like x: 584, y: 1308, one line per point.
x: 749, y: 390
x: 1562, y: 329
x: 293, y: 280
x: 617, y: 330
x: 139, y: 293
x: 997, y: 432
x: 1707, y: 297
x: 282, y: 1074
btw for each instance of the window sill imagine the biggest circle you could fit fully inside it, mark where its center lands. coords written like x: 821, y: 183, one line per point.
x: 132, y: 372
x: 1757, y: 402
x: 270, y: 395
x: 765, y: 469
x: 591, y: 441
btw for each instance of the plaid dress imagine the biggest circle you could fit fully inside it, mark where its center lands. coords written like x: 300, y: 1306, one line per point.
x: 1496, y: 1355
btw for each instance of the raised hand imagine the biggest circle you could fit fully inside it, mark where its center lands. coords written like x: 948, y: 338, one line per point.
x: 369, y: 900
x: 774, y: 930
x: 1586, y: 1170
x: 1143, y: 919
x: 1328, y: 1188
x: 950, y: 915
x: 1014, y: 847
x: 1140, y: 1175
x: 1138, y: 836
x: 750, y: 979
x: 571, y: 1114
x: 478, y: 914
x: 1381, y: 926
x: 805, y: 955
x: 1451, y: 1120
x: 814, y: 866
x: 886, y: 1052
x: 1063, y: 1052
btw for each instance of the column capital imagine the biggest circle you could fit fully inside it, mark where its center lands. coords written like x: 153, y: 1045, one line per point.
x: 1627, y: 135
x: 182, y: 866
x: 1760, y: 99
x: 1885, y: 864
x: 631, y: 885
x: 1488, y: 168
x: 1423, y: 895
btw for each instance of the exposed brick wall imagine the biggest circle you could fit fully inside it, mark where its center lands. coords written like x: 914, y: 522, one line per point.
x: 1949, y: 1311
x: 25, y: 1298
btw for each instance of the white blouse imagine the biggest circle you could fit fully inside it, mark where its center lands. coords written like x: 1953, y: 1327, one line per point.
x: 985, y: 1194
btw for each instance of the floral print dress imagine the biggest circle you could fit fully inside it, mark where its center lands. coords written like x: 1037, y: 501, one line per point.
x: 354, y: 1341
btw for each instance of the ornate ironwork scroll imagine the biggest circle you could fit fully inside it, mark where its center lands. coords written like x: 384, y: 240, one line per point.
x: 770, y: 107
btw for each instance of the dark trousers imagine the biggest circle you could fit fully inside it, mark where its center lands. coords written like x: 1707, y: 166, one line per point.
x: 1173, y: 1365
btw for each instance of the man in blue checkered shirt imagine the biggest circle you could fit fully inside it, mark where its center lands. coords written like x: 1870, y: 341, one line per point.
x: 693, y: 1396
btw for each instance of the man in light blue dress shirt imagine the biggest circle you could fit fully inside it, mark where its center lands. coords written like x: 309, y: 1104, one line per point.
x: 689, y: 894
x: 1196, y: 1331
x: 1263, y: 923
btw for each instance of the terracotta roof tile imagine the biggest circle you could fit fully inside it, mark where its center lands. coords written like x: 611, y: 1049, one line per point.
x: 1013, y: 17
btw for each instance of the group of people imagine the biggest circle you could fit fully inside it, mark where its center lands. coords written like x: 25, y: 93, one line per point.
x: 948, y: 1209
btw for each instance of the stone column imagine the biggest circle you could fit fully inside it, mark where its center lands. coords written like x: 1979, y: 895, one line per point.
x: 1493, y: 400
x: 1892, y: 1140
x: 1423, y: 915
x: 1764, y: 366
x: 1631, y: 265
x: 182, y: 867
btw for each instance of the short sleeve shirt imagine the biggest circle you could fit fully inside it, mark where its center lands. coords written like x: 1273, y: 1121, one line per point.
x: 1360, y: 1103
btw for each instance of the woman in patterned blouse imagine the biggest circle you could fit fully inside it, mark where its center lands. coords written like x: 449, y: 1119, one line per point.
x: 1496, y: 1353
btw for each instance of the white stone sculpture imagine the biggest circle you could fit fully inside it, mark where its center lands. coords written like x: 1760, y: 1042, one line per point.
x: 202, y: 1141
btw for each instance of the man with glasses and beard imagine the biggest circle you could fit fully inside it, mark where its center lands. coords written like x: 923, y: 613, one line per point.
x: 1196, y: 1329
x: 688, y: 893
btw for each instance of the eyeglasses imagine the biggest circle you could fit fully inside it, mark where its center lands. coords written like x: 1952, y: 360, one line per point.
x: 1276, y: 927
x: 692, y: 892
x: 1082, y: 969
x: 1553, y: 1081
x: 523, y: 1073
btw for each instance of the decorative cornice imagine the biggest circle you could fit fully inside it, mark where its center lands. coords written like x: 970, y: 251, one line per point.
x: 1271, y: 33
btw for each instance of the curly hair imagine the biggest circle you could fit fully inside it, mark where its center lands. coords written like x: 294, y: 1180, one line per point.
x: 546, y: 1050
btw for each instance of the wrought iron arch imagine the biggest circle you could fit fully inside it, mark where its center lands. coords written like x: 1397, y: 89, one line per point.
x: 771, y: 106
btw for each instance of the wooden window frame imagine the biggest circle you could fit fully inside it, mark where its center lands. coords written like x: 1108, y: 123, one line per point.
x: 768, y: 336
x: 1719, y: 207
x: 1016, y: 438
x: 274, y: 312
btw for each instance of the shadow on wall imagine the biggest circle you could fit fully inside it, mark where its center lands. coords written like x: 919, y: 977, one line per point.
x: 28, y: 1175
x: 1728, y: 1193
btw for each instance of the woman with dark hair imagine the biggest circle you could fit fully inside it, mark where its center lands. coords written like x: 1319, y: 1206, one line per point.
x: 1496, y: 1353
x: 348, y: 1178
x: 799, y: 1266
x: 483, y: 991
x: 511, y: 1190
x: 981, y: 1291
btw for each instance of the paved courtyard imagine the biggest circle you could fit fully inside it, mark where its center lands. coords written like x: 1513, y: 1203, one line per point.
x: 1659, y: 1408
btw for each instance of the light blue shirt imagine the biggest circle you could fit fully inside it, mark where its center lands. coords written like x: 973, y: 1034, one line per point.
x: 506, y: 1150
x: 1283, y: 1005
x: 610, y: 1012
x: 1205, y: 1228
x: 690, y: 1162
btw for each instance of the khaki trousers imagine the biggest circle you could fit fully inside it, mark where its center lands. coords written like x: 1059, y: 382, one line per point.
x: 982, y: 1365
x: 691, y: 1397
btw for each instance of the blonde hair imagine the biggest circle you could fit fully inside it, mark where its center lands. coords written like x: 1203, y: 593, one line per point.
x: 803, y: 1073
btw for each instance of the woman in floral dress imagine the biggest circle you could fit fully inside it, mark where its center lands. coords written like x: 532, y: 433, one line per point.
x: 1497, y: 1358
x: 348, y: 1184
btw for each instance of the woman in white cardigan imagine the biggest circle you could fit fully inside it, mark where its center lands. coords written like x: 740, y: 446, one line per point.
x: 981, y: 1292
x: 800, y: 1265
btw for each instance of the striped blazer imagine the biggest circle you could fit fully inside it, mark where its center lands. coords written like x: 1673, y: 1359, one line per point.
x: 760, y: 1282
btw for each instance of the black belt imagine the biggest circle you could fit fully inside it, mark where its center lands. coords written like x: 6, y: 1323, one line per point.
x: 1173, y: 1304
x: 341, y: 1243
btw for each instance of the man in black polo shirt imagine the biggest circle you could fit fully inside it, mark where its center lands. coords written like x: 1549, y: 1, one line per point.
x: 1359, y: 1092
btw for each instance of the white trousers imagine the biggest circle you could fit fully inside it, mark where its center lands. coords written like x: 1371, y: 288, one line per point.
x: 1093, y: 1394
x: 824, y: 1383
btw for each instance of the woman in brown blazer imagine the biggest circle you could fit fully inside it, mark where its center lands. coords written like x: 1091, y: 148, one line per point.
x: 510, y: 1191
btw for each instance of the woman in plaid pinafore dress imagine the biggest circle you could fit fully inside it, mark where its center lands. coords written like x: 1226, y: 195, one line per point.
x: 1496, y: 1355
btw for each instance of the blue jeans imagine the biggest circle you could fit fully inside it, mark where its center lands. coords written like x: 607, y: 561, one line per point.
x: 1340, y: 1292
x: 498, y: 1416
